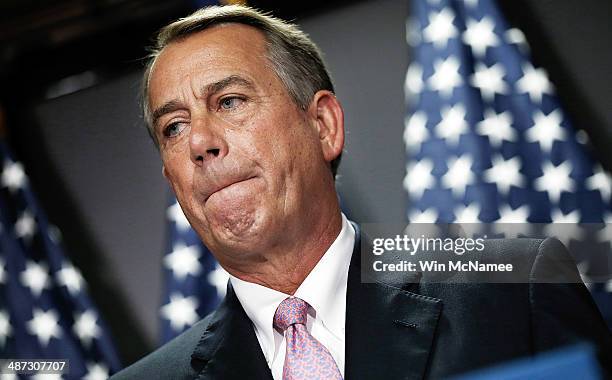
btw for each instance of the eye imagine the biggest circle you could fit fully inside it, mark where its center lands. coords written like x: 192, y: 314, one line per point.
x: 174, y: 129
x: 231, y: 102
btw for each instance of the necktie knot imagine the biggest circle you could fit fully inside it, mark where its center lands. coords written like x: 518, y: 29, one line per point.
x: 291, y: 311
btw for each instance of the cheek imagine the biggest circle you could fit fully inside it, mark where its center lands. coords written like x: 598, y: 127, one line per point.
x: 300, y: 147
x: 179, y: 173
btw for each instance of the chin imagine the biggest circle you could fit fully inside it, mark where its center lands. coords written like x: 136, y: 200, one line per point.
x: 233, y: 226
x: 235, y: 213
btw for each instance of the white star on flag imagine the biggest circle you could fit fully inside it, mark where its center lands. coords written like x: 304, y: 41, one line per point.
x: 555, y: 180
x: 86, y: 327
x: 183, y: 261
x: 413, y: 32
x: 35, y: 277
x: 508, y: 215
x: 497, y: 127
x: 44, y: 325
x: 467, y: 214
x: 413, y: 84
x: 46, y: 376
x: 446, y: 76
x: 600, y: 180
x: 176, y: 215
x: 218, y: 278
x: 480, y: 35
x: 415, y: 130
x: 428, y: 216
x: 513, y: 223
x: 70, y: 277
x: 418, y: 177
x: 490, y: 80
x: 564, y: 226
x: 605, y: 233
x: 13, y: 176
x: 517, y: 37
x: 25, y: 227
x: 96, y: 371
x: 504, y: 173
x: 180, y: 311
x: 546, y: 129
x: 54, y: 234
x: 5, y: 327
x: 467, y: 218
x: 453, y: 123
x: 534, y: 82
x: 459, y: 175
x: 559, y: 217
x: 582, y: 137
x: 8, y: 376
x: 440, y: 28
x: 2, y: 271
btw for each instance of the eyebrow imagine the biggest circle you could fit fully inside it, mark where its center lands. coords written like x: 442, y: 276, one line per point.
x: 226, y: 82
x: 168, y: 107
x: 209, y: 89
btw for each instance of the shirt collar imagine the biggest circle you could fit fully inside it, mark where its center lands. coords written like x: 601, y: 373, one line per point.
x: 324, y: 289
x: 325, y: 286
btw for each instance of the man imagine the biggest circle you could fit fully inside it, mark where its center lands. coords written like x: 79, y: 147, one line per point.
x: 250, y: 134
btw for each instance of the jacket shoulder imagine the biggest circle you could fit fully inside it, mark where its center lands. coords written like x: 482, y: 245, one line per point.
x: 535, y: 260
x: 170, y: 361
x: 513, y: 249
x: 520, y: 257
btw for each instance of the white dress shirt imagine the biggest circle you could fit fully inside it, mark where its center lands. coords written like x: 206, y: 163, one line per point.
x: 324, y: 289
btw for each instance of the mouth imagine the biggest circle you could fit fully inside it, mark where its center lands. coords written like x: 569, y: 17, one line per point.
x: 225, y: 186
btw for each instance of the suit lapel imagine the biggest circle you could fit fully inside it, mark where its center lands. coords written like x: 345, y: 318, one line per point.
x: 389, y: 329
x: 229, y: 348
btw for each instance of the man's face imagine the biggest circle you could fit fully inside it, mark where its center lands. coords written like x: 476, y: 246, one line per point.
x: 244, y: 161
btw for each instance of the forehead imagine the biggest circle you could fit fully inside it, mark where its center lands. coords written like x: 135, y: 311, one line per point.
x: 216, y: 52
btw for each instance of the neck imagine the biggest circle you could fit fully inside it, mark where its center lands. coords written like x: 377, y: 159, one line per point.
x: 285, y: 266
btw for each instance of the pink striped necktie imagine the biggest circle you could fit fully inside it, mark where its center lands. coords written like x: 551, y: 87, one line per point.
x: 306, y: 357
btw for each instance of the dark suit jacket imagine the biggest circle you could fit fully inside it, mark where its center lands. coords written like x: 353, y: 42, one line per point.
x: 412, y: 330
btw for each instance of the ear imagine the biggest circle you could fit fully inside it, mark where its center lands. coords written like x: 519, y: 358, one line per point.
x: 328, y: 115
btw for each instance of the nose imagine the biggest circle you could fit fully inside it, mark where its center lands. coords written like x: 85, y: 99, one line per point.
x: 206, y: 142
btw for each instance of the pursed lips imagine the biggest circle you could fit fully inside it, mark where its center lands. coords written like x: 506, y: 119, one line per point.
x: 226, y: 184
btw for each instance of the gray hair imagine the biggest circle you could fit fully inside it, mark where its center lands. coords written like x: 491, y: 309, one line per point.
x: 294, y: 58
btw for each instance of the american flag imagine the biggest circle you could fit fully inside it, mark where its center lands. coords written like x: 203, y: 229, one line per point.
x: 45, y: 311
x: 486, y: 136
x: 195, y: 283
